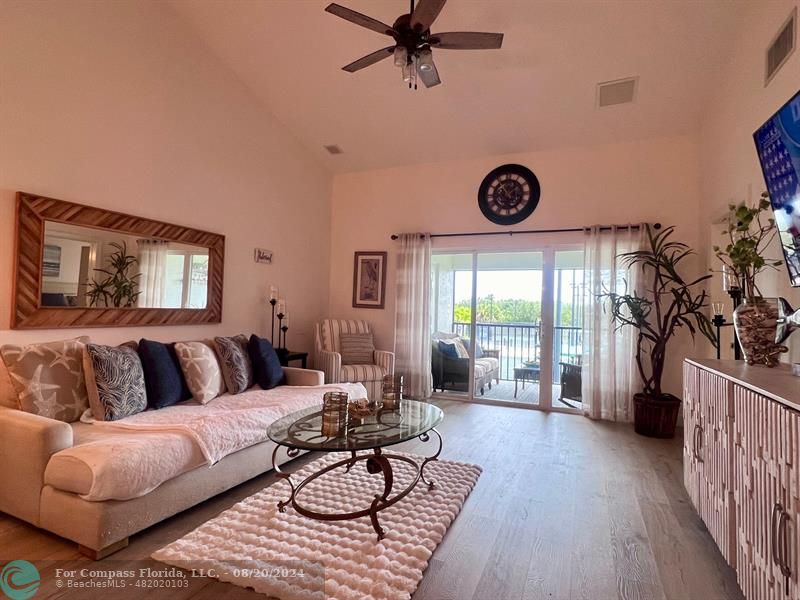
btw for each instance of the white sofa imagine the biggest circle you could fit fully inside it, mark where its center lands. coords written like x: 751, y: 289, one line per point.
x: 48, y: 470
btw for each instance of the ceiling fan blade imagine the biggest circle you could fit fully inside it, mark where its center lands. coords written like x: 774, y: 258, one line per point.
x: 369, y: 59
x: 467, y: 40
x: 429, y: 77
x: 359, y: 19
x: 425, y: 13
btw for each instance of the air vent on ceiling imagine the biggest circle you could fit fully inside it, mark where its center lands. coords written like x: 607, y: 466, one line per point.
x: 620, y: 91
x: 333, y: 149
x: 781, y: 47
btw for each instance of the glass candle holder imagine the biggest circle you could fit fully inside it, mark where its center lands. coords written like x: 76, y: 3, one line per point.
x: 717, y: 308
x: 334, y: 413
x: 392, y: 390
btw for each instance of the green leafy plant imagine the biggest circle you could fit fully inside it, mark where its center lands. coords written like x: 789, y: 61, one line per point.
x: 748, y: 237
x: 671, y: 302
x: 118, y: 289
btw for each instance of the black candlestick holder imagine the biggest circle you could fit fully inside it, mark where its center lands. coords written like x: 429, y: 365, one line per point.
x: 719, y: 322
x: 736, y: 298
x: 284, y: 329
x: 273, y: 302
x: 280, y: 323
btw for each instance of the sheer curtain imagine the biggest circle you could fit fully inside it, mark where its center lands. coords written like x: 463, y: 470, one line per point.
x: 609, y: 375
x: 152, y: 266
x: 412, y: 317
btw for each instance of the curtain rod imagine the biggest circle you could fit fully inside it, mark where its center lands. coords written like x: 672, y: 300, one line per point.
x: 529, y: 231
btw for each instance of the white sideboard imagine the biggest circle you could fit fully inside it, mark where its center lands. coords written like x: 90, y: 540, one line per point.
x: 741, y: 465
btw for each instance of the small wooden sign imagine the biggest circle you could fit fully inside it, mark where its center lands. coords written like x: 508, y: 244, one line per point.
x: 264, y: 256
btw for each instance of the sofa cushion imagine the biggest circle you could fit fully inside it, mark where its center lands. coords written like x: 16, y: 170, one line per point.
x: 48, y: 378
x: 267, y: 367
x: 91, y: 467
x: 448, y: 349
x: 237, y: 370
x: 488, y: 363
x: 357, y: 348
x: 201, y: 369
x: 163, y: 378
x: 120, y: 460
x: 356, y: 373
x: 114, y: 381
x: 8, y: 395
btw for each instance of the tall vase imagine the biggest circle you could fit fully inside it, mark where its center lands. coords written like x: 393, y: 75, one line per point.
x: 762, y: 325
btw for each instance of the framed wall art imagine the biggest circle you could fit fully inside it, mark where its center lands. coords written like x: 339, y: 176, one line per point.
x: 369, y: 280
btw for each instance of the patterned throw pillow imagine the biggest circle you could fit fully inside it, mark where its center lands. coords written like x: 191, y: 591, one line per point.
x: 48, y: 378
x: 201, y: 369
x: 357, y: 348
x: 237, y: 370
x: 115, y: 381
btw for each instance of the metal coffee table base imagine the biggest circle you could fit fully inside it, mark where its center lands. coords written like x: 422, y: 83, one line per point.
x: 377, y: 462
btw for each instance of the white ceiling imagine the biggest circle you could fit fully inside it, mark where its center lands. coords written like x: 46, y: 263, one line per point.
x: 536, y: 93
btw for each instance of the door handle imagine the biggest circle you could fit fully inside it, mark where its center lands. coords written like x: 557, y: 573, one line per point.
x: 773, y: 532
x: 698, y: 442
x: 783, y: 546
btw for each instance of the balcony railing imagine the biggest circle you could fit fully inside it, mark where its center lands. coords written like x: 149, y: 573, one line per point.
x: 519, y: 342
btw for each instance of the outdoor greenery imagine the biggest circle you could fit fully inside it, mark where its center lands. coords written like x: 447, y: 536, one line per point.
x: 508, y: 310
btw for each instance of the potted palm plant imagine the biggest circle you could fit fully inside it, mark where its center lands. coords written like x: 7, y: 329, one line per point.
x: 670, y: 303
x: 118, y: 289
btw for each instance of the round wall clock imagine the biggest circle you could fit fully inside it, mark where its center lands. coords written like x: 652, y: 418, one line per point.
x: 509, y: 194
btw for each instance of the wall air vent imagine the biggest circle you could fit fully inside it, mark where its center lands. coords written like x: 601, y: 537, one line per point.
x: 333, y: 149
x: 781, y: 47
x: 620, y: 91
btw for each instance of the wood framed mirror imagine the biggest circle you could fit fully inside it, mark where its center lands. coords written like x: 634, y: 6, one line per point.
x: 81, y: 266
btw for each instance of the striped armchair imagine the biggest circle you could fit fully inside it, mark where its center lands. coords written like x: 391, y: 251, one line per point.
x: 328, y: 357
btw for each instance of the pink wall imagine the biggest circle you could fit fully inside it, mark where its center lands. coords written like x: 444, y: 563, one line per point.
x: 741, y: 104
x: 652, y: 180
x: 118, y: 105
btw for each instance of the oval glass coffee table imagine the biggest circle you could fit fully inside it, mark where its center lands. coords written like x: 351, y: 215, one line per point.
x: 302, y: 430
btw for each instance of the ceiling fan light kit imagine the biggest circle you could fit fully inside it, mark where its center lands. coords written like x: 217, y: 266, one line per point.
x: 412, y: 50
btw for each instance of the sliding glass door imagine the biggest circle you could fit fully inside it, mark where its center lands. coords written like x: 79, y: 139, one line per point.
x: 506, y: 326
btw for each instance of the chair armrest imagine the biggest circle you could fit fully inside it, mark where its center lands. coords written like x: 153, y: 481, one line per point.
x: 295, y: 376
x: 385, y: 360
x: 27, y: 442
x: 330, y: 363
x: 492, y: 353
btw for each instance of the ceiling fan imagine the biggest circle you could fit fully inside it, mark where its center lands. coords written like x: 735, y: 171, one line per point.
x: 414, y: 41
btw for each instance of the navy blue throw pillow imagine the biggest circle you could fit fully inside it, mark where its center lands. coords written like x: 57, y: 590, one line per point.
x: 267, y: 368
x: 449, y: 350
x: 163, y: 379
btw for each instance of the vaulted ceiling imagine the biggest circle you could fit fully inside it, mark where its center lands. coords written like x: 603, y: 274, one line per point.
x: 538, y: 92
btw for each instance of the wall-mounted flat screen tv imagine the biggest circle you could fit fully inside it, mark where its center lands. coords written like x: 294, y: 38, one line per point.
x: 778, y: 146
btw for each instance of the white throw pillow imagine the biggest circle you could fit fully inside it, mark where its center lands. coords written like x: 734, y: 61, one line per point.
x: 201, y: 369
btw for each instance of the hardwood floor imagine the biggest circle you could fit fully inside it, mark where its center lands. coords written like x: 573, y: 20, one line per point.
x: 565, y: 509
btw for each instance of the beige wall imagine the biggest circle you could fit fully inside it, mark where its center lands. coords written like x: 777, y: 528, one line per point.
x: 653, y: 180
x: 741, y: 104
x: 116, y: 104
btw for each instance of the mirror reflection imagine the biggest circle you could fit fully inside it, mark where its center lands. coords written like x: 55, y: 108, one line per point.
x: 96, y: 268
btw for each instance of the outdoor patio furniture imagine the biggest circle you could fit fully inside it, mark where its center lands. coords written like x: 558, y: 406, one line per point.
x: 453, y: 373
x: 571, y: 382
x: 530, y: 372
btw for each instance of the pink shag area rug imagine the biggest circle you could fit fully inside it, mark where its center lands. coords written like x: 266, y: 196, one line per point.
x: 291, y: 557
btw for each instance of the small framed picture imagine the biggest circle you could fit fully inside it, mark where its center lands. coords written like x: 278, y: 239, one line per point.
x: 262, y: 255
x: 369, y: 280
